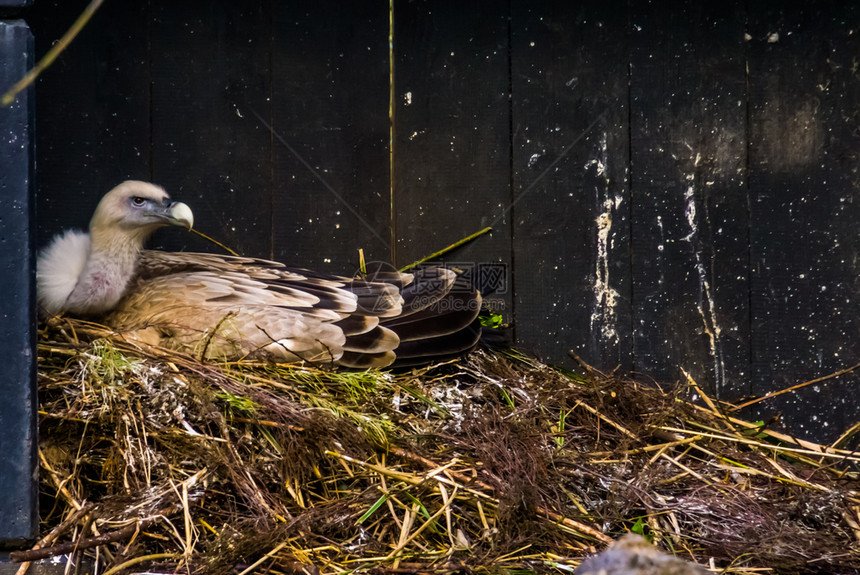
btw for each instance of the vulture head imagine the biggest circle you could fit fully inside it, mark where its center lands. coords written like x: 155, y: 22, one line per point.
x: 133, y: 210
x: 233, y: 307
x: 87, y: 273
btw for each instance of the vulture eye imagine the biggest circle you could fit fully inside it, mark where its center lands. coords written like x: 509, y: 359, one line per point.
x: 138, y: 201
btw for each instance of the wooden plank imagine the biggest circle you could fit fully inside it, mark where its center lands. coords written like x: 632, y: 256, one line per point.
x: 690, y: 211
x: 19, y: 509
x: 452, y: 136
x: 92, y: 109
x: 804, y: 185
x: 331, y: 131
x: 570, y: 158
x: 210, y: 73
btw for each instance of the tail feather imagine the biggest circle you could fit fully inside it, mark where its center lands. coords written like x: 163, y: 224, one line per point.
x: 359, y: 360
x: 439, y: 317
x: 433, y: 348
x: 357, y: 324
x: 429, y: 286
x: 452, y: 313
x: 377, y: 340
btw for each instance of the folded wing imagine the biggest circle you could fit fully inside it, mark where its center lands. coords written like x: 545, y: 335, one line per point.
x: 232, y: 307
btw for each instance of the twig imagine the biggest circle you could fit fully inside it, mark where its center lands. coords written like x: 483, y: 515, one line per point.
x: 445, y: 506
x: 796, y: 387
x: 766, y: 446
x: 69, y: 546
x: 52, y: 54
x: 591, y: 370
x: 602, y: 417
x: 56, y: 532
x: 214, y: 241
x: 815, y: 448
x: 362, y: 264
x: 708, y: 401
x: 444, y: 251
x: 140, y: 559
x: 259, y: 561
x: 111, y: 537
x: 408, y: 519
x: 58, y: 483
x: 448, y: 523
x: 685, y: 468
x: 848, y: 434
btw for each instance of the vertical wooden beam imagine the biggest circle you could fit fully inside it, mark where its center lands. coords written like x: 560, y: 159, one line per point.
x: 330, y: 133
x: 690, y: 210
x: 571, y: 192
x: 804, y: 185
x: 19, y: 514
x: 452, y: 157
x: 210, y: 76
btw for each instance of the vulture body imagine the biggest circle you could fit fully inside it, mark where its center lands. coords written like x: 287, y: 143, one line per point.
x: 234, y: 307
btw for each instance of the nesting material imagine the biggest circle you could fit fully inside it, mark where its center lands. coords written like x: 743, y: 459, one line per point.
x: 493, y: 462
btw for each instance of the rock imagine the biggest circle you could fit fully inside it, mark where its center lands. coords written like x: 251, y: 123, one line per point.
x: 633, y: 555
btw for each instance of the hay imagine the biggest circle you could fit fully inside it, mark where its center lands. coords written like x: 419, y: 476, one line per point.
x: 491, y: 463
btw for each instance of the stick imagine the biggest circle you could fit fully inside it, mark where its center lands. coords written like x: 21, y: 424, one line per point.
x: 56, y: 532
x: 70, y: 546
x: 259, y: 561
x: 140, y: 559
x: 52, y: 54
x: 444, y: 251
x: 798, y: 386
x: 59, y: 483
x: 214, y: 241
x: 405, y: 541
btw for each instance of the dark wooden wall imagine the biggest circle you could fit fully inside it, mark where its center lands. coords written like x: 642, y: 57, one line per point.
x: 671, y: 184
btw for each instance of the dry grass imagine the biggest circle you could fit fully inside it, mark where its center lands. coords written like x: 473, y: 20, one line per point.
x: 492, y: 463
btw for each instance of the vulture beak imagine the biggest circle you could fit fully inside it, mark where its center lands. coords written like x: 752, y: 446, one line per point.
x: 179, y: 214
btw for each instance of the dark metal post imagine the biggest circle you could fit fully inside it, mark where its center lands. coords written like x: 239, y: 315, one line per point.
x: 19, y: 518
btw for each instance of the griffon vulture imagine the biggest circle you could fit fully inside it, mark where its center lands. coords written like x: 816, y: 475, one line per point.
x: 233, y: 307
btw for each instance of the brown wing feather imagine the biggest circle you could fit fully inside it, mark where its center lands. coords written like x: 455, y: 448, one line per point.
x: 223, y: 306
x: 453, y: 344
x: 227, y: 307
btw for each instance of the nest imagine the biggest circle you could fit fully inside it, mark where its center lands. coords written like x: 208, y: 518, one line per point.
x: 490, y: 463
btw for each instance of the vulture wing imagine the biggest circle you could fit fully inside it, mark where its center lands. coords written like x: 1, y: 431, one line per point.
x: 228, y: 307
